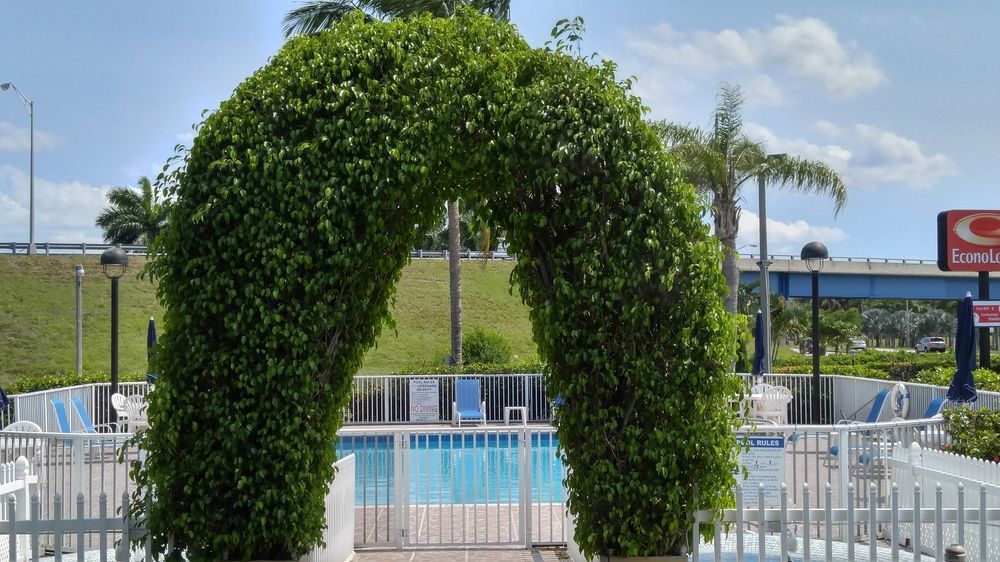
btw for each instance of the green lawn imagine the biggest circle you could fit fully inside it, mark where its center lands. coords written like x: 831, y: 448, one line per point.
x: 37, y: 315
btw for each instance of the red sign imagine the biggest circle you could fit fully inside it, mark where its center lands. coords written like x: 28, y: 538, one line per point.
x: 986, y: 314
x: 969, y: 241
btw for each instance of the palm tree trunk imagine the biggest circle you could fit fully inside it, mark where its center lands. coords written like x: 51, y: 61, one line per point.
x: 455, y: 282
x: 726, y: 225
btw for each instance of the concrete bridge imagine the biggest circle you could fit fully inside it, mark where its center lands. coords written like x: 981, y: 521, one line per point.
x: 866, y: 278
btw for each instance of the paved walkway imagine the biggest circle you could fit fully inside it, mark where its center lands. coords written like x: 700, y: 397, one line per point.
x: 463, y: 555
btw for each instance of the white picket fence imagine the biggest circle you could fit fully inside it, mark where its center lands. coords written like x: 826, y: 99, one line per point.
x: 970, y: 486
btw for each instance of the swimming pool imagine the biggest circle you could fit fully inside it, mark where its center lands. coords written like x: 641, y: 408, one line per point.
x: 454, y: 468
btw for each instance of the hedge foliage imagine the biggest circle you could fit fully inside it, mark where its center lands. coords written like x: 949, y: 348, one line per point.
x: 481, y: 345
x: 35, y: 384
x: 975, y: 433
x: 291, y: 223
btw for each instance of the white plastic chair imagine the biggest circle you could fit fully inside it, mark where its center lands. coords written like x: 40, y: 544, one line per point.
x: 773, y: 405
x: 21, y: 445
x: 135, y: 409
x: 118, y: 403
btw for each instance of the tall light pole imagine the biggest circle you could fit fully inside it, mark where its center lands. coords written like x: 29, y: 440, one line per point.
x: 814, y: 254
x: 79, y: 319
x: 114, y: 262
x: 30, y: 106
x: 765, y: 261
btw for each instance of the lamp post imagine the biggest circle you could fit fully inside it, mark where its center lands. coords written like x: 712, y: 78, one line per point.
x: 765, y: 261
x: 814, y: 254
x: 114, y: 262
x: 30, y: 106
x: 79, y: 319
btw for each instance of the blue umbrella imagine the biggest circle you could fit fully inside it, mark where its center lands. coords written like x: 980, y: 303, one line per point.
x: 963, y: 387
x: 758, y: 346
x: 150, y: 344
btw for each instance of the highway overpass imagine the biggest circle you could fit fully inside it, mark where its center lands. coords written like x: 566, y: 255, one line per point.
x: 866, y: 278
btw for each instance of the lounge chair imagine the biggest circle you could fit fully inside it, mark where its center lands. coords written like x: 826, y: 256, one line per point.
x: 877, y: 405
x: 87, y: 422
x: 467, y: 405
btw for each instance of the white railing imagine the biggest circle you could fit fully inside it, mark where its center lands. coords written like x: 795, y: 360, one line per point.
x: 964, y: 484
x: 36, y: 407
x: 386, y: 399
x: 339, y: 532
x: 493, y: 486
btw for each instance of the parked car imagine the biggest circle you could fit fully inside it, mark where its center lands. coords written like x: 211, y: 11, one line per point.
x: 930, y: 343
x: 806, y: 346
x: 858, y: 344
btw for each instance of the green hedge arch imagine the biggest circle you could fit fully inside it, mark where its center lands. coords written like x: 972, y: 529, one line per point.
x: 294, y: 216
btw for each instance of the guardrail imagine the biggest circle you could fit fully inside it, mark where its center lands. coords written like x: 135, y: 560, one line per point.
x: 53, y: 248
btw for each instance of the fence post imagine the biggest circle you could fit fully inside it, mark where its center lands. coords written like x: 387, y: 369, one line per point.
x: 954, y: 553
x: 844, y: 459
x: 23, y: 497
x: 385, y: 400
x: 76, y: 483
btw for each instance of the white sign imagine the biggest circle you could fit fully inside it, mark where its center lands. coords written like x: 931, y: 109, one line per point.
x: 424, y: 404
x: 986, y: 314
x: 764, y: 462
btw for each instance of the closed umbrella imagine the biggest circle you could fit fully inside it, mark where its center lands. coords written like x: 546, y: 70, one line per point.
x: 963, y: 387
x: 758, y: 346
x: 150, y: 345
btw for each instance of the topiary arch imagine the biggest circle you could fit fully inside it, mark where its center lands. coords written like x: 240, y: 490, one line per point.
x: 295, y: 215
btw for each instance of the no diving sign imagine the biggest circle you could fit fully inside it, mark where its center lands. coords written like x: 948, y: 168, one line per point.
x: 764, y: 462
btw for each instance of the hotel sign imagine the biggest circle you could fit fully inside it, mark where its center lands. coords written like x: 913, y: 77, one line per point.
x: 986, y: 314
x: 969, y: 241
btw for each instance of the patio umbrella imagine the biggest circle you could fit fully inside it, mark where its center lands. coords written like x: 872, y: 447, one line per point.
x: 963, y: 387
x: 150, y: 344
x: 758, y: 346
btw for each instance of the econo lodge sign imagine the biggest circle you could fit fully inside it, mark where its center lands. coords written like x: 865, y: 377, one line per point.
x: 969, y: 241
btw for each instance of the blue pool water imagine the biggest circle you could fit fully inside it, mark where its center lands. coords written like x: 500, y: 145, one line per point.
x: 454, y: 468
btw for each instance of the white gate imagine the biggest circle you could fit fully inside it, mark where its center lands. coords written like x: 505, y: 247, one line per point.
x: 457, y: 487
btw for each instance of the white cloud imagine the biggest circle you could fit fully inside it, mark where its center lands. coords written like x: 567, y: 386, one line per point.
x: 865, y: 155
x: 18, y: 139
x: 784, y: 237
x: 64, y: 211
x: 827, y: 128
x: 807, y: 49
x: 761, y: 90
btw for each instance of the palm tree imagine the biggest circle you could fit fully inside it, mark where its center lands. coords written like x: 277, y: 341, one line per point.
x: 314, y: 16
x: 721, y: 160
x: 134, y: 216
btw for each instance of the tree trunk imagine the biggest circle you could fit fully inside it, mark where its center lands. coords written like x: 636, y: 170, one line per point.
x: 726, y: 227
x: 455, y: 282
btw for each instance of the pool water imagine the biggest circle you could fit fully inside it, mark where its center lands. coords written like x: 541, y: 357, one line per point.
x: 454, y: 468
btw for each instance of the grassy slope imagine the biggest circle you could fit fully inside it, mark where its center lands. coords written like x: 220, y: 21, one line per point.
x: 37, y: 311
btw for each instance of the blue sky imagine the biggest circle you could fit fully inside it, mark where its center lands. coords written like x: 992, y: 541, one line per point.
x: 896, y: 96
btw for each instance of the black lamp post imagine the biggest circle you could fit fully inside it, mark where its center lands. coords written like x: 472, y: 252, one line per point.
x: 114, y: 262
x: 814, y: 254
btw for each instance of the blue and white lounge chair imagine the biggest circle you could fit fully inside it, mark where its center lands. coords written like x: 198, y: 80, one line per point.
x: 467, y: 405
x: 87, y: 422
x: 878, y: 404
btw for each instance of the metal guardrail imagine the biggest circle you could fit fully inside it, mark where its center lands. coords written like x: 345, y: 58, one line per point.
x: 84, y: 248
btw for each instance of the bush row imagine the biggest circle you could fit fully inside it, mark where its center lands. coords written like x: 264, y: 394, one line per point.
x: 975, y: 433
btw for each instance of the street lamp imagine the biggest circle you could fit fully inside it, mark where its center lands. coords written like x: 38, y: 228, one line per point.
x: 79, y: 319
x: 114, y: 263
x: 30, y: 106
x: 765, y: 282
x: 814, y: 254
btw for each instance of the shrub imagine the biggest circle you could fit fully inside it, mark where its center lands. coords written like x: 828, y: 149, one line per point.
x: 36, y: 384
x: 975, y: 433
x: 294, y: 215
x: 480, y: 345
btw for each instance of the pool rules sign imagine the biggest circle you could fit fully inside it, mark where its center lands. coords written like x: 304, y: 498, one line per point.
x: 424, y: 404
x: 764, y: 463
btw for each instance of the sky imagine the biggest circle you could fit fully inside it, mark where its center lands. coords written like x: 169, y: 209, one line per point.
x: 895, y: 96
